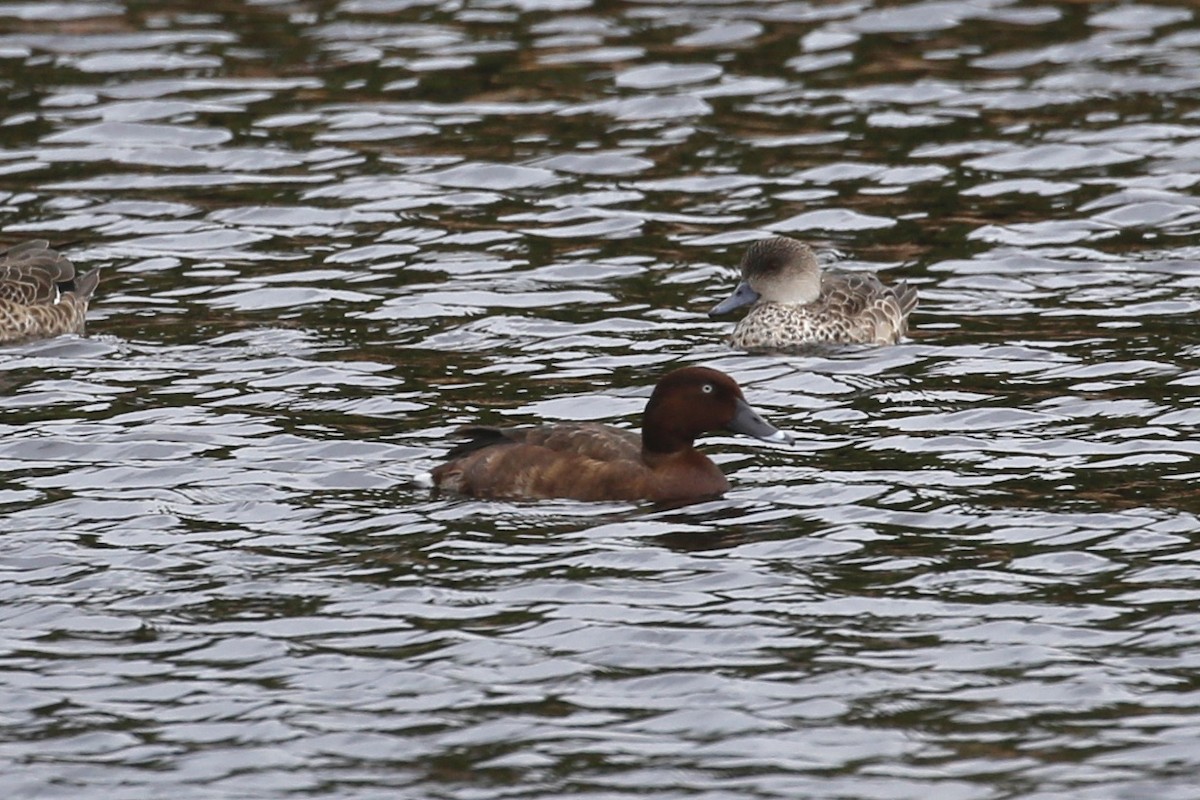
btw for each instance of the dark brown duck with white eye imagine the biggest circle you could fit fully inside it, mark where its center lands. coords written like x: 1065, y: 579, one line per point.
x: 589, y: 461
x: 40, y: 294
x: 795, y: 304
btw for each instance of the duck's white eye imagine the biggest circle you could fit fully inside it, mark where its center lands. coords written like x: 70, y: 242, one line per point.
x: 707, y: 388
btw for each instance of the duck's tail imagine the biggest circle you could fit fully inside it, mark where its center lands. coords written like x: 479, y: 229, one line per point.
x: 85, y: 285
x: 906, y: 296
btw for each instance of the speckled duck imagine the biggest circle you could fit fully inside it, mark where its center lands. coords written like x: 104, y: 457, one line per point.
x: 796, y: 305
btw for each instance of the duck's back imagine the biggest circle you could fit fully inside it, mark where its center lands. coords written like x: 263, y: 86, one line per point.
x: 40, y: 295
x: 853, y: 308
x: 579, y: 461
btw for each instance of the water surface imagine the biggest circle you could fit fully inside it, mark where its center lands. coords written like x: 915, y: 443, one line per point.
x: 332, y: 232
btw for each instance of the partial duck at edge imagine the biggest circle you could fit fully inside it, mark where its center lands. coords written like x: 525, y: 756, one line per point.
x: 40, y: 294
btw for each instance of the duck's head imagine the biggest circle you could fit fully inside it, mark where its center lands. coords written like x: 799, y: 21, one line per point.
x: 694, y: 400
x: 776, y: 270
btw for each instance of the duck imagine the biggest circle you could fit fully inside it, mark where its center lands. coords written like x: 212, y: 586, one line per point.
x: 40, y: 294
x: 595, y: 462
x: 795, y: 305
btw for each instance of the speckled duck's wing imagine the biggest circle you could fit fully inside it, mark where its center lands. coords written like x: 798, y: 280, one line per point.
x: 30, y: 273
x: 584, y: 461
x: 863, y: 309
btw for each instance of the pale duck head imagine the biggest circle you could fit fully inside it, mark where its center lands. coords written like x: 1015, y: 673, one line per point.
x: 776, y: 270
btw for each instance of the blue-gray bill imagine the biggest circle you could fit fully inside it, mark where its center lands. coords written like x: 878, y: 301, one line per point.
x: 748, y: 421
x: 743, y: 295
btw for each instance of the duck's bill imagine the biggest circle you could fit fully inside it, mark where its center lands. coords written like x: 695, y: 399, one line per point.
x: 743, y: 295
x: 748, y: 421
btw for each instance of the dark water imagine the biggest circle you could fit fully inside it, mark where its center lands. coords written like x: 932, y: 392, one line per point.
x: 333, y: 231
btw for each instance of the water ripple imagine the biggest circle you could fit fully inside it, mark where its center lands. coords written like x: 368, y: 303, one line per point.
x: 328, y: 238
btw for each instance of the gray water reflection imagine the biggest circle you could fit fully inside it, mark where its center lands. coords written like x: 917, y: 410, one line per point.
x: 332, y: 232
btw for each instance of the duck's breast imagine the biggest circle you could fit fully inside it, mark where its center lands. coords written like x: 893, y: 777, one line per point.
x: 777, y: 326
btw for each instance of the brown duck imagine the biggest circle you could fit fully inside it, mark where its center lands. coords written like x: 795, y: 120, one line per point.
x: 40, y: 294
x: 589, y: 461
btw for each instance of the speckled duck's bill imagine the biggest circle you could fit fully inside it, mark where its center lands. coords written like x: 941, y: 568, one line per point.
x: 743, y: 295
x: 748, y: 421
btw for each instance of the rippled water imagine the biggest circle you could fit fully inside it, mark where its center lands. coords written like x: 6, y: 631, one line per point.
x: 333, y: 231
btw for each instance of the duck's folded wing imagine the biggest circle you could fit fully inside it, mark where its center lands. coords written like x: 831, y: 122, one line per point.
x: 585, y: 439
x: 860, y: 298
x: 585, y: 462
x: 31, y: 272
x: 848, y: 294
